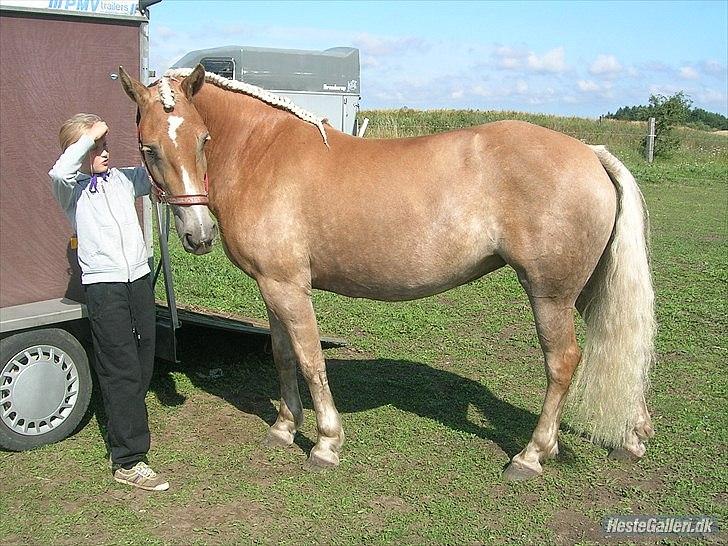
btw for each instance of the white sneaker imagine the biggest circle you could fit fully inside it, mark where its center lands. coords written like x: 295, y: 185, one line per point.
x: 142, y: 476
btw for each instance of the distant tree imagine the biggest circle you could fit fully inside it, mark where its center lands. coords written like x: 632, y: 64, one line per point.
x: 630, y: 113
x: 668, y: 112
x: 701, y: 119
x: 696, y: 117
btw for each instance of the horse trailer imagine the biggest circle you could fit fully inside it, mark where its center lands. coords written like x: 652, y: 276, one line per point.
x: 45, y: 376
x: 45, y: 78
x: 324, y: 82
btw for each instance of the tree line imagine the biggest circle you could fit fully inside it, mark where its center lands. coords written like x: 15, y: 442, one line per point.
x: 680, y: 109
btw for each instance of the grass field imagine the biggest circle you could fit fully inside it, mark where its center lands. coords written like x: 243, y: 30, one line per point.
x: 435, y: 395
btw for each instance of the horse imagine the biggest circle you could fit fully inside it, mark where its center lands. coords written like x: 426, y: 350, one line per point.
x: 302, y: 206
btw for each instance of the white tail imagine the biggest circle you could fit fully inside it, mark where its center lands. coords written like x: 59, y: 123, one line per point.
x: 612, y: 379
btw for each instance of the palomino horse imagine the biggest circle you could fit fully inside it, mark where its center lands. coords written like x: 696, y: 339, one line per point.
x: 301, y: 206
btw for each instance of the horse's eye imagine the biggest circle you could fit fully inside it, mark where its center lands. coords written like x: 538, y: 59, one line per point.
x: 151, y: 153
x: 202, y: 139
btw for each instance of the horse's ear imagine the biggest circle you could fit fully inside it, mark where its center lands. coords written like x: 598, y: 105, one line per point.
x: 136, y: 91
x: 192, y: 83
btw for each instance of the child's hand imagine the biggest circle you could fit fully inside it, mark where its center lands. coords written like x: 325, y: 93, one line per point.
x: 98, y: 130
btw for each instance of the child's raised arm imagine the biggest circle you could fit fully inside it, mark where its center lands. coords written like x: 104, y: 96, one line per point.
x: 63, y: 173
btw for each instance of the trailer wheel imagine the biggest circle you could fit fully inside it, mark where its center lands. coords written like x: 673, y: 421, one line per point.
x: 45, y: 388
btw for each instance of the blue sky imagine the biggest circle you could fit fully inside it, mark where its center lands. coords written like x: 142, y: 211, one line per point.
x: 568, y: 58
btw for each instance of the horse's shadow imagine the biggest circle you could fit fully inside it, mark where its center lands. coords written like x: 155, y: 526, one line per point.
x: 240, y: 369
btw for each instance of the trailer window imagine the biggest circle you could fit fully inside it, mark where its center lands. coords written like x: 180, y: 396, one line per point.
x: 224, y: 67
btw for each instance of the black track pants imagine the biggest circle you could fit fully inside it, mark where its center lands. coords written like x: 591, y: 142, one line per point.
x: 122, y: 319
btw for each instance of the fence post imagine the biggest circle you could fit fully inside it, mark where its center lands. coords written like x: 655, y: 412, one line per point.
x: 650, y: 148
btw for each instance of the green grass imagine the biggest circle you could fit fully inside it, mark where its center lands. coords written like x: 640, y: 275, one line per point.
x: 435, y: 395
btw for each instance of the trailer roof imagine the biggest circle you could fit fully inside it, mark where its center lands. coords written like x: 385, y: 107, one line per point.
x: 334, y: 70
x: 98, y: 9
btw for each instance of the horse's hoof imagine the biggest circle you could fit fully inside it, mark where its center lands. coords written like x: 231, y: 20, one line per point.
x: 622, y: 454
x: 318, y: 462
x: 278, y: 439
x: 517, y: 473
x: 644, y: 431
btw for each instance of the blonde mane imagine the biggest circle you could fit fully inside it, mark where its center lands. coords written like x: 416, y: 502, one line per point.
x: 166, y: 96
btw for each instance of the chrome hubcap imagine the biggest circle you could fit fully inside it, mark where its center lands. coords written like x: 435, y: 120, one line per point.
x: 38, y: 390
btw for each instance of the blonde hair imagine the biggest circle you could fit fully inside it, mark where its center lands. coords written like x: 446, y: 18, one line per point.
x: 609, y: 388
x: 73, y: 128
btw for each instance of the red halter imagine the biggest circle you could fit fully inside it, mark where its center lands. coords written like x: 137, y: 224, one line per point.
x: 180, y: 200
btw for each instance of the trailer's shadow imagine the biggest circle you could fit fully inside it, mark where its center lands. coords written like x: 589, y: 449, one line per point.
x: 240, y: 370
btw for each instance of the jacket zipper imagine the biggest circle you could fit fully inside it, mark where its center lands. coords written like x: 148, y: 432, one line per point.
x: 121, y: 233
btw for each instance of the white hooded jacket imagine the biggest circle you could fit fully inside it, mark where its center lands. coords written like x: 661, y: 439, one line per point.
x: 111, y: 246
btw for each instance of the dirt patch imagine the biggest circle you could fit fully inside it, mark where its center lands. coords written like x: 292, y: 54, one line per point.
x: 508, y: 332
x: 382, y: 509
x: 212, y: 523
x: 570, y: 527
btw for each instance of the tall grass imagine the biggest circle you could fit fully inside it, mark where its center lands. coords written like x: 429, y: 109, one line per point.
x: 702, y: 156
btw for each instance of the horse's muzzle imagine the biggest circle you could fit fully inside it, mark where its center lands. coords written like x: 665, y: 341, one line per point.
x: 199, y: 243
x: 196, y: 229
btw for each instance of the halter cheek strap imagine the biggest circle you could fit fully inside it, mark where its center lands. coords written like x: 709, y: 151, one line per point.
x: 184, y: 200
x: 161, y: 195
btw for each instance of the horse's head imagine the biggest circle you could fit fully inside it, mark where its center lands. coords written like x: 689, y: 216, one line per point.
x: 172, y: 138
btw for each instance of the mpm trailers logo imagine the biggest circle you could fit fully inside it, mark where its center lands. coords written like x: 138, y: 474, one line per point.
x: 108, y: 7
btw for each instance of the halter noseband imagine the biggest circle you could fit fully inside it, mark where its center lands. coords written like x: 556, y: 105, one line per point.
x: 179, y: 200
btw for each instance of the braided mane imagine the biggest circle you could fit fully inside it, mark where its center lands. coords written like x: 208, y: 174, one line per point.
x: 166, y: 96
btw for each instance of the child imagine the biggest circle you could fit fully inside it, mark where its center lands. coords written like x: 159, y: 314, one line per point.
x: 115, y: 273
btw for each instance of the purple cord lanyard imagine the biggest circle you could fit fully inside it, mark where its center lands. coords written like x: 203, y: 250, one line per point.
x: 95, y: 180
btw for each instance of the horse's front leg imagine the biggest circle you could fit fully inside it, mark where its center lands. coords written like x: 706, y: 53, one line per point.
x: 289, y: 306
x: 290, y: 410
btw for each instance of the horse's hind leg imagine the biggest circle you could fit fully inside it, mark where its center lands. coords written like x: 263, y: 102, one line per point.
x: 555, y: 326
x: 290, y: 411
x: 634, y: 440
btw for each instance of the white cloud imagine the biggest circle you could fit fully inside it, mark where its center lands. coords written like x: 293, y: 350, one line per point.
x: 714, y: 68
x: 689, y: 73
x: 592, y: 89
x: 367, y: 61
x: 666, y: 89
x: 509, y: 58
x: 655, y: 66
x: 588, y: 86
x: 481, y: 91
x: 552, y: 61
x: 521, y: 59
x: 713, y: 96
x: 521, y: 87
x: 605, y: 65
x: 543, y: 96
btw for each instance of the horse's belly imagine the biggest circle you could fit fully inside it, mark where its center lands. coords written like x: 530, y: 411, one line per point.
x: 396, y: 274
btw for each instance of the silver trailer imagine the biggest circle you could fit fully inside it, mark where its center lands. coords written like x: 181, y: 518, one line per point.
x: 324, y: 82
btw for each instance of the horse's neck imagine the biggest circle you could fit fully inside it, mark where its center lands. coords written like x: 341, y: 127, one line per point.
x: 241, y: 127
